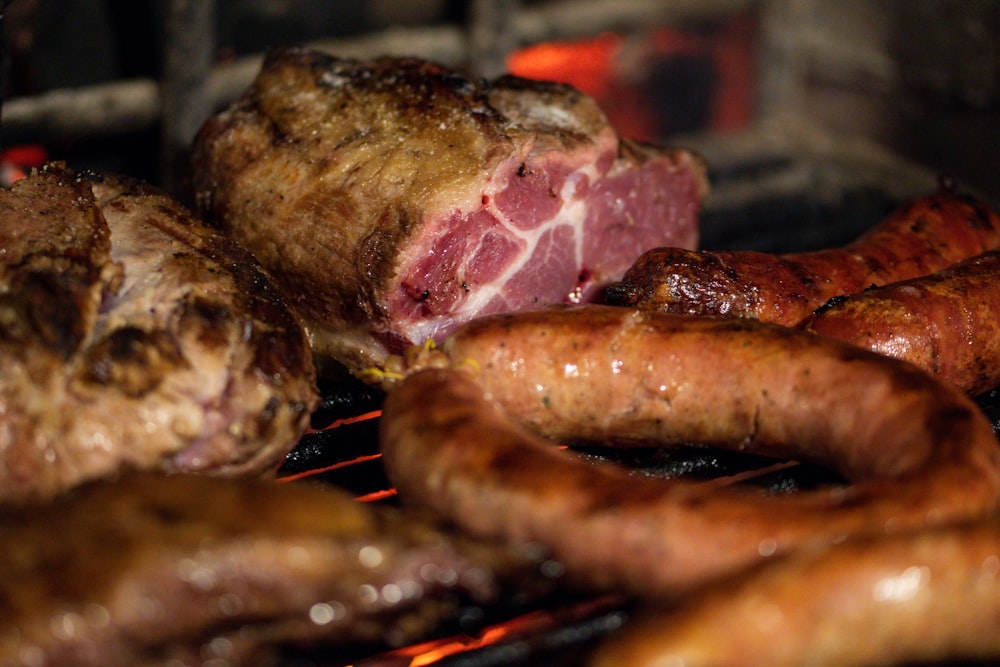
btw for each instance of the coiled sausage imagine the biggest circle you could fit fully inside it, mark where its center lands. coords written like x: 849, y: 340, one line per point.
x: 911, y: 598
x: 465, y: 439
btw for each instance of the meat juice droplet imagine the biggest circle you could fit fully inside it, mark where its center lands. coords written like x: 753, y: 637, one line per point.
x: 368, y: 594
x: 584, y: 281
x: 97, y: 615
x: 392, y: 594
x: 323, y: 613
x: 230, y: 604
x: 370, y: 556
x: 902, y: 586
x: 65, y: 626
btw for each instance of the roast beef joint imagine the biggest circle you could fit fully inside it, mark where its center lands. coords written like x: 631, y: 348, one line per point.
x: 394, y: 199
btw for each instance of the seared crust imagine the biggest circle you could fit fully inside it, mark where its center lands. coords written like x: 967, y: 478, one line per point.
x: 181, y: 355
x: 154, y: 569
x: 947, y: 323
x: 341, y: 175
x: 261, y: 174
x: 55, y: 267
x: 463, y: 440
x: 919, y: 238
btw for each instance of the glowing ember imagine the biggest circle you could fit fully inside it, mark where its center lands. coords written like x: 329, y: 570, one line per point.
x: 336, y: 466
x: 660, y: 82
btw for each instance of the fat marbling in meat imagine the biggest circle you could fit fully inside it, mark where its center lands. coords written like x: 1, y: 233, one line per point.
x: 393, y: 199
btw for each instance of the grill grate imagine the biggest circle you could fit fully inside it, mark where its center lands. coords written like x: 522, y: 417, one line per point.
x: 342, y: 447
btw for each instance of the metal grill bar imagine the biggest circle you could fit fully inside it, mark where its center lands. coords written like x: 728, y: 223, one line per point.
x: 190, y: 54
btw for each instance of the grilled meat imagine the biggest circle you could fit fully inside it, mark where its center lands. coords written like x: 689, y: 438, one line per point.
x: 462, y: 438
x: 946, y: 322
x: 929, y: 597
x: 396, y: 198
x: 182, y: 569
x: 918, y: 238
x: 133, y: 336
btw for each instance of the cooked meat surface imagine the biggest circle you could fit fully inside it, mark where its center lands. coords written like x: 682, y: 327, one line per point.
x: 184, y: 569
x: 462, y: 438
x: 394, y: 199
x: 946, y: 322
x: 920, y: 237
x: 133, y: 336
x: 930, y: 597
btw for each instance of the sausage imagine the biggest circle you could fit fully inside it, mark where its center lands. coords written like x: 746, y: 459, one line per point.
x: 946, y: 323
x: 912, y: 598
x: 469, y: 438
x: 918, y: 238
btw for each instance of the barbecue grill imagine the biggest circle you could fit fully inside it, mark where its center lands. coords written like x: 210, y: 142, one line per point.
x: 818, y: 148
x: 342, y: 449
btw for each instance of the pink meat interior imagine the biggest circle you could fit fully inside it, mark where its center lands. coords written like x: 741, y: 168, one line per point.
x: 552, y: 227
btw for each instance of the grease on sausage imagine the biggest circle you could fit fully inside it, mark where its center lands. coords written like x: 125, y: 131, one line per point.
x: 468, y: 441
x: 918, y: 238
x: 947, y: 323
x: 904, y: 599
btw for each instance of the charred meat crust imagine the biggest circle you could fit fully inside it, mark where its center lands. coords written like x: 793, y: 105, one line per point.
x: 276, y: 337
x: 918, y: 238
x: 361, y: 250
x: 55, y: 261
x: 135, y: 337
x: 945, y: 322
x: 393, y: 198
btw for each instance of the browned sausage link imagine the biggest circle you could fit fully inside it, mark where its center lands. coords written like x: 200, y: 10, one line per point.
x: 911, y: 598
x: 921, y: 237
x: 466, y: 443
x: 947, y: 323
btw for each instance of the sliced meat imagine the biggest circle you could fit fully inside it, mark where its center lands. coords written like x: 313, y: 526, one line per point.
x: 918, y: 238
x: 396, y: 198
x: 930, y: 597
x: 947, y: 323
x: 131, y: 335
x: 169, y: 570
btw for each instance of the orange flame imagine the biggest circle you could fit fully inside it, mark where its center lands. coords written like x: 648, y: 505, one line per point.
x: 312, y: 472
x: 618, y: 72
x: 531, y: 623
x: 337, y: 423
